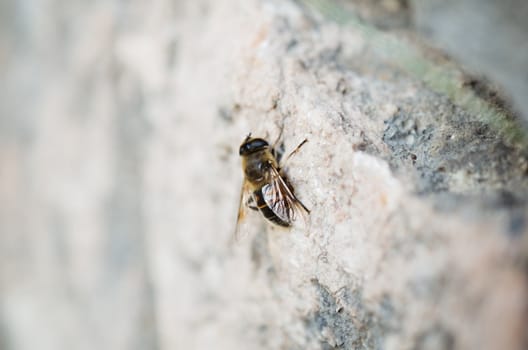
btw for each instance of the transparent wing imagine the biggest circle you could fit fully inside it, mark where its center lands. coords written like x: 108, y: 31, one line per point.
x: 278, y: 202
x: 245, y: 194
x: 280, y: 198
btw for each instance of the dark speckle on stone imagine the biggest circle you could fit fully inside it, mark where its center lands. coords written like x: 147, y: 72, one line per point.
x: 342, y: 86
x: 508, y: 199
x: 388, y: 317
x: 225, y: 114
x: 333, y: 326
x: 291, y: 44
x: 517, y: 223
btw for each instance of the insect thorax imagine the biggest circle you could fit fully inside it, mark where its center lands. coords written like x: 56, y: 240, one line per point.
x: 257, y: 166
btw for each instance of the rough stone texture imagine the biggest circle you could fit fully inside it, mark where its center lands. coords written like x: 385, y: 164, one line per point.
x: 120, y: 178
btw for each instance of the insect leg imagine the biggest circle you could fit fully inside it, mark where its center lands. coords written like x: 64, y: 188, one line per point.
x: 294, y: 152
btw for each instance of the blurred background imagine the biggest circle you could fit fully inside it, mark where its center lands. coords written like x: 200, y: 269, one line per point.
x: 117, y: 177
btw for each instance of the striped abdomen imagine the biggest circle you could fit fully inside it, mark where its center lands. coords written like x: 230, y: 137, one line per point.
x: 266, y: 210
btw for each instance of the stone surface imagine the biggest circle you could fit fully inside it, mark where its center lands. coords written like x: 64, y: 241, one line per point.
x: 120, y: 179
x: 487, y: 36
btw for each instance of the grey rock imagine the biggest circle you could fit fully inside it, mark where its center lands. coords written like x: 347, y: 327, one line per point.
x: 120, y: 182
x: 489, y: 37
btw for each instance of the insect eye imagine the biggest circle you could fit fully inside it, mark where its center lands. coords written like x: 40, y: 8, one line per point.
x: 244, y: 149
x: 252, y: 146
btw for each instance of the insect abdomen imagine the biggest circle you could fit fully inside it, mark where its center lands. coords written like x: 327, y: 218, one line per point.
x: 266, y: 210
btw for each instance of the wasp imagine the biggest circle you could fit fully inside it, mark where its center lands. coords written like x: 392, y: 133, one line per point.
x: 265, y: 187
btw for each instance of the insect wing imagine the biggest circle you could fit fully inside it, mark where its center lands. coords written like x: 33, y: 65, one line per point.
x: 280, y: 198
x: 245, y: 194
x: 277, y: 202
